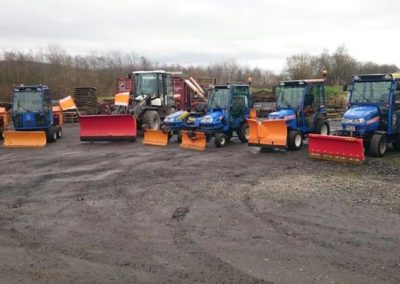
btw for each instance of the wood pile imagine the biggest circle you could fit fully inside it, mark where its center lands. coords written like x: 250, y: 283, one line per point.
x: 86, y: 100
x: 337, y: 106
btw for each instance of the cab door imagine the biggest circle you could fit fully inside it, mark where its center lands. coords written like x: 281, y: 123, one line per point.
x: 239, y: 106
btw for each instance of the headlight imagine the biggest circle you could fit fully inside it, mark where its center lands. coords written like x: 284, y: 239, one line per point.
x: 206, y: 119
x: 358, y: 120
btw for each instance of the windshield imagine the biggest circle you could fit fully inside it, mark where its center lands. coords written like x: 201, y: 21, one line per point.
x: 27, y: 102
x: 219, y: 98
x: 146, y: 84
x: 371, y: 92
x: 290, y: 96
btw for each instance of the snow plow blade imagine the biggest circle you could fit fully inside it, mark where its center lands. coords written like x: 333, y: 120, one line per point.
x: 193, y: 140
x: 336, y: 148
x: 107, y: 127
x: 24, y: 139
x: 155, y: 137
x: 268, y: 133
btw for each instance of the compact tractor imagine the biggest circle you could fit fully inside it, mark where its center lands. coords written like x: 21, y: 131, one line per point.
x: 300, y: 110
x: 227, y: 110
x: 35, y: 120
x: 371, y: 121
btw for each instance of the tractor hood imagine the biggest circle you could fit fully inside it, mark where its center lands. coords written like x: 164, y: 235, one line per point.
x: 361, y: 119
x: 360, y: 114
x: 212, y: 117
x: 176, y: 116
x: 286, y: 114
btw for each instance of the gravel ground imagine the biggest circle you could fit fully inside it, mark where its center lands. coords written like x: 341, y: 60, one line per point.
x: 121, y: 212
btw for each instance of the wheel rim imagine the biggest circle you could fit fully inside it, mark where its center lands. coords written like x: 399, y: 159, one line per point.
x: 60, y: 133
x: 324, y: 129
x: 222, y: 140
x: 55, y: 135
x: 247, y: 132
x: 297, y: 140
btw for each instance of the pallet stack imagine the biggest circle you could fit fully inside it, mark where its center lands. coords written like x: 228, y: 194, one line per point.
x: 86, y: 100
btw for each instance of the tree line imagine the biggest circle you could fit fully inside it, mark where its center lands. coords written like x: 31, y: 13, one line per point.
x: 63, y: 72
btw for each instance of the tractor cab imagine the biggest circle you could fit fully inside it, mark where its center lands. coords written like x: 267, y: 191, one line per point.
x: 300, y: 103
x: 155, y: 86
x: 374, y: 104
x: 32, y: 108
x: 227, y: 107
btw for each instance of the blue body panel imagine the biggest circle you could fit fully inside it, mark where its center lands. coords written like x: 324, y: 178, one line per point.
x: 26, y: 120
x: 362, y: 118
x: 287, y: 114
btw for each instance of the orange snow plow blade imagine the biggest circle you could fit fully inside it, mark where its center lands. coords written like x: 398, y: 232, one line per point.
x: 22, y: 139
x: 193, y: 140
x: 267, y: 133
x: 107, y: 127
x: 336, y: 148
x: 155, y: 137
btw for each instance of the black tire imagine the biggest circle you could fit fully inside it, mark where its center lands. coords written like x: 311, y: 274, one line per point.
x: 179, y: 137
x: 59, y: 133
x: 295, y: 140
x: 243, y: 132
x: 151, y: 120
x: 220, y: 140
x: 1, y: 133
x: 51, y: 134
x: 396, y: 143
x: 322, y: 127
x: 378, y: 145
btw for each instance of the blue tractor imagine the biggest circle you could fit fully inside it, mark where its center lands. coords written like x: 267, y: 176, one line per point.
x: 227, y: 110
x: 371, y: 121
x: 300, y: 110
x: 183, y: 120
x: 34, y: 120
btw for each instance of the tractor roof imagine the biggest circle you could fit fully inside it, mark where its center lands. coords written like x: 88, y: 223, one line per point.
x: 30, y: 88
x: 302, y: 82
x: 377, y: 77
x: 153, y: 71
x: 228, y: 85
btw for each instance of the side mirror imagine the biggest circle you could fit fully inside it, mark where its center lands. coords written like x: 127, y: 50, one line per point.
x: 345, y: 87
x: 130, y: 76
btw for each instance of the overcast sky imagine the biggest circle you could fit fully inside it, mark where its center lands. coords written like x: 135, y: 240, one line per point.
x: 256, y: 33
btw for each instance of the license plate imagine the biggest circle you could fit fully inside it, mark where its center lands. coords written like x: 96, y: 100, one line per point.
x: 351, y: 128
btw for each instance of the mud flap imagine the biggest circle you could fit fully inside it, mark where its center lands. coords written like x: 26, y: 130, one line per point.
x: 193, y: 140
x: 107, y: 127
x: 24, y: 139
x: 155, y: 137
x: 268, y: 133
x: 336, y: 148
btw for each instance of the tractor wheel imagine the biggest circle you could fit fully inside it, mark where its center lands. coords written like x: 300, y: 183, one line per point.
x: 220, y: 140
x: 51, y: 135
x: 59, y: 132
x: 151, y: 120
x: 295, y: 140
x: 396, y: 143
x: 378, y: 145
x: 1, y: 133
x: 243, y: 132
x: 179, y: 137
x: 322, y: 127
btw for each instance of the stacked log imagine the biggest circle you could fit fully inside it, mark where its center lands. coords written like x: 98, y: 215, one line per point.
x: 86, y: 100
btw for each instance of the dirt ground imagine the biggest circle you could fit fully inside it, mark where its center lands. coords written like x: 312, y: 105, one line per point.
x: 121, y: 212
